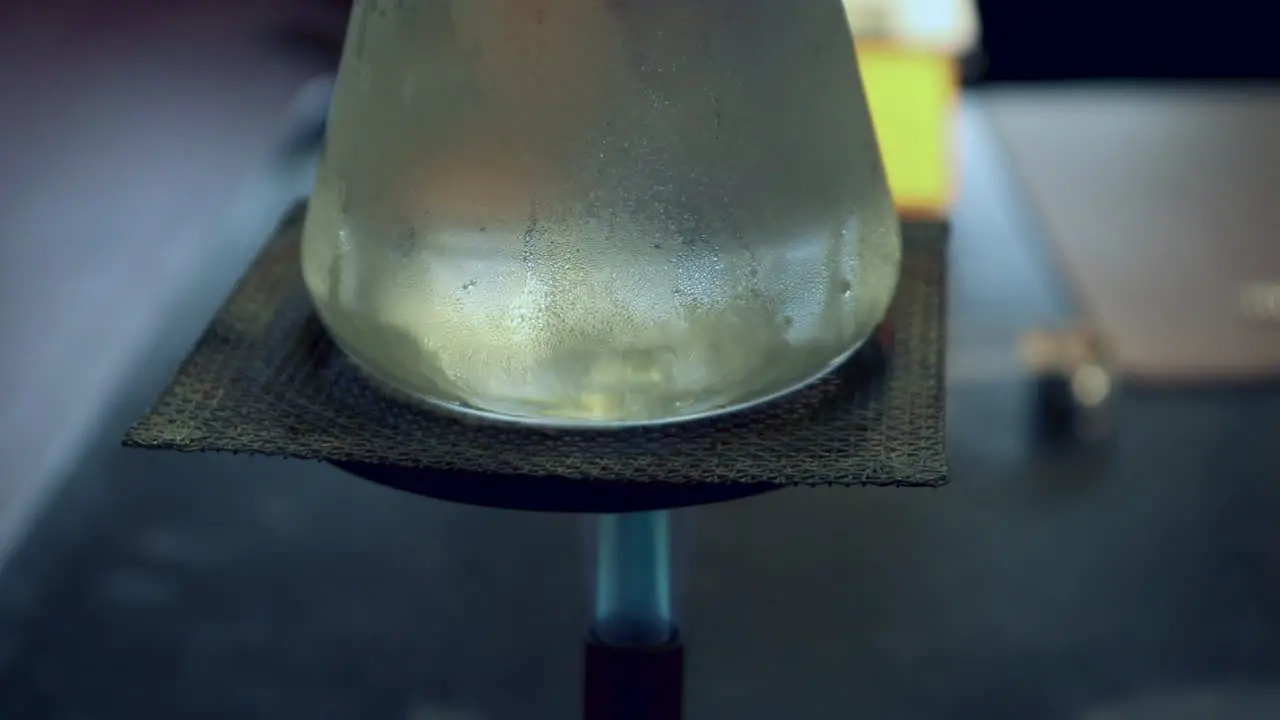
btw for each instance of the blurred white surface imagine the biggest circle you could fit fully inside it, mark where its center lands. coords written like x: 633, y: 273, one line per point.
x: 1160, y: 202
x: 950, y: 25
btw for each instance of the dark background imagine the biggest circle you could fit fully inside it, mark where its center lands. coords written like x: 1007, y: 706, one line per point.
x: 1090, y: 39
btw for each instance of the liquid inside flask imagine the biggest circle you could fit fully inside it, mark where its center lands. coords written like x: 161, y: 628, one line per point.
x: 599, y: 213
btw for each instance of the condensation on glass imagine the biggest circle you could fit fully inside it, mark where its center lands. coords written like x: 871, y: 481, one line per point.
x: 599, y: 212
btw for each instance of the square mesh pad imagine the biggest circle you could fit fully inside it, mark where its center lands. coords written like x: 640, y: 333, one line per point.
x: 264, y: 378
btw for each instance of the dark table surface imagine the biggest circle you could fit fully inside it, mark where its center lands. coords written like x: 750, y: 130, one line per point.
x: 1089, y: 585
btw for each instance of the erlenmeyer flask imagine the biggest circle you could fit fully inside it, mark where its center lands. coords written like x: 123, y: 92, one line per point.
x: 599, y: 212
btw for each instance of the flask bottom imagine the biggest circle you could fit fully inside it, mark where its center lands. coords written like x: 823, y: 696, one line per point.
x: 618, y: 398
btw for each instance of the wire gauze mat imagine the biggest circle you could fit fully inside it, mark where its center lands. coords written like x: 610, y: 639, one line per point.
x: 264, y: 378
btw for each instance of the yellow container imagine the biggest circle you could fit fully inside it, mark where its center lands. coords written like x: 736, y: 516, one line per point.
x: 914, y: 95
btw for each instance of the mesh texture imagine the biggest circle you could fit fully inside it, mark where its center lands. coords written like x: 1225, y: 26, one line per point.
x: 264, y: 378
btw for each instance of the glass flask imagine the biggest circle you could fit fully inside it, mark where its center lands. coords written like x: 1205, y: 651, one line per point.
x: 599, y: 213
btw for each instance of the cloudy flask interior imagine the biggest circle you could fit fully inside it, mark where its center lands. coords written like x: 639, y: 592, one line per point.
x: 599, y: 212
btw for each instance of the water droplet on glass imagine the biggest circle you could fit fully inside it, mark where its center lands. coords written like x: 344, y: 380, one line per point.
x: 850, y: 228
x: 407, y: 236
x: 342, y: 195
x: 364, y: 77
